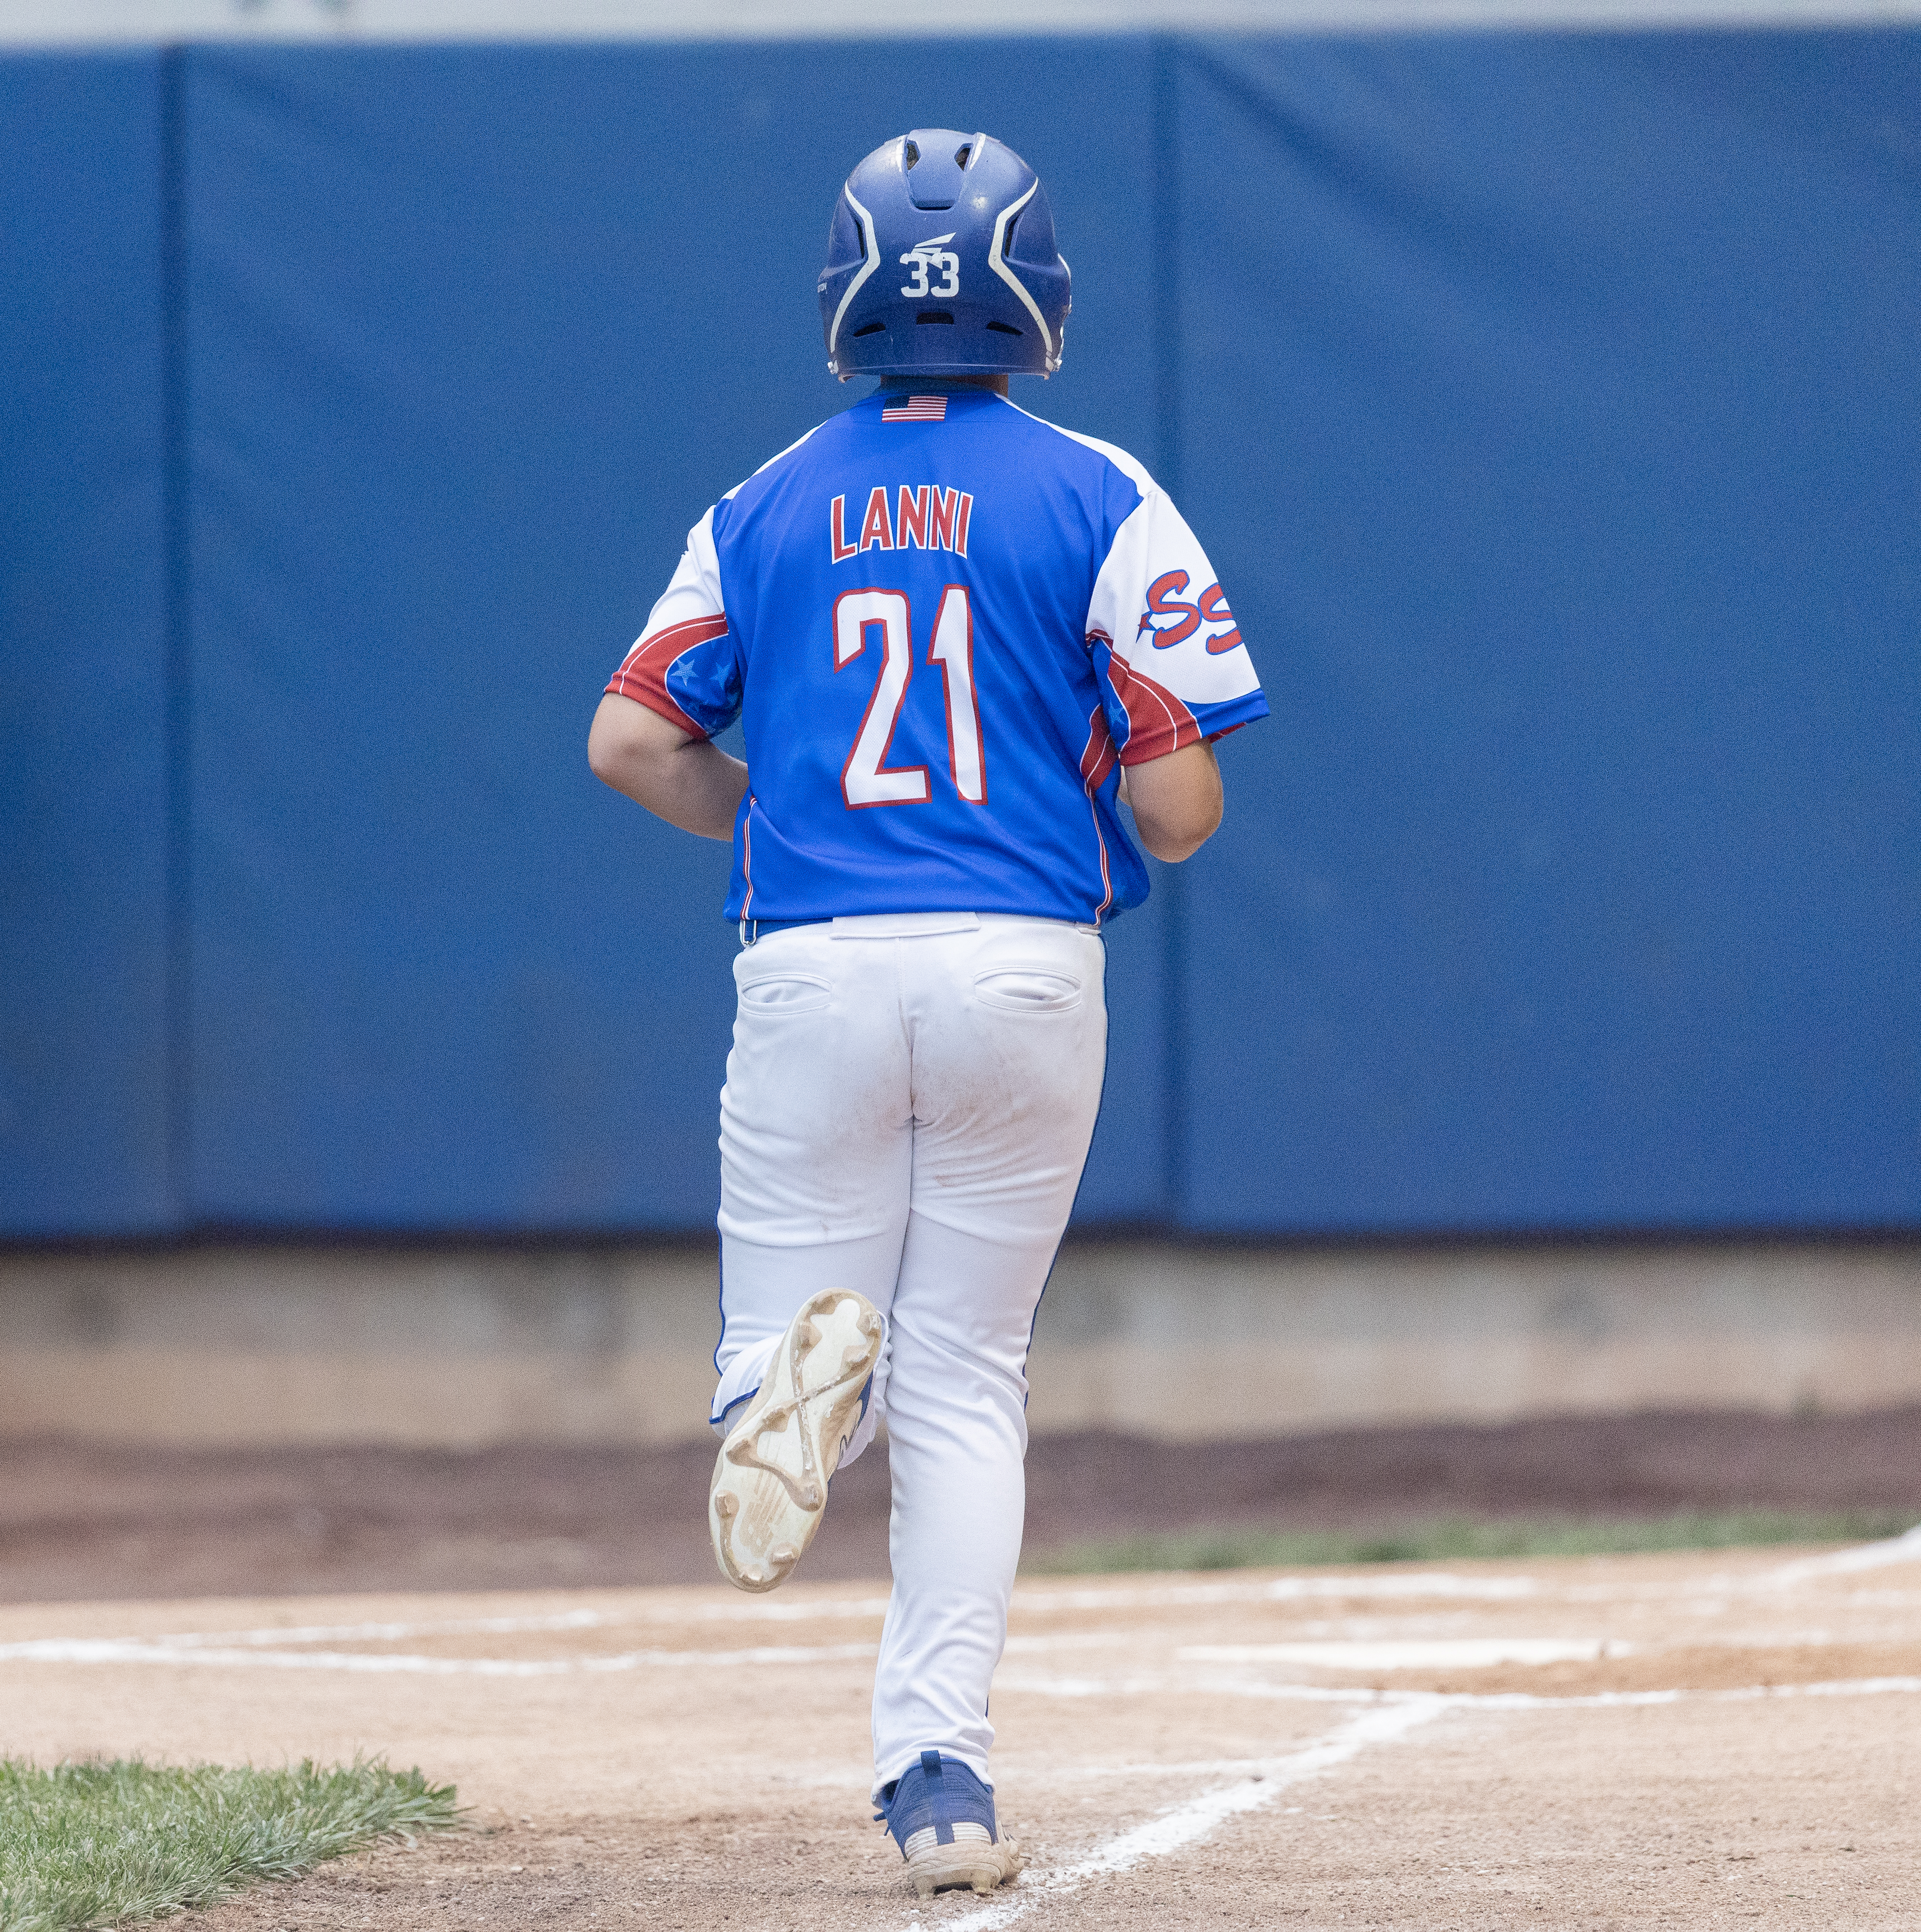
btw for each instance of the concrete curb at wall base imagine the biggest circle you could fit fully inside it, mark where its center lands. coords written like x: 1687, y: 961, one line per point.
x: 460, y: 1349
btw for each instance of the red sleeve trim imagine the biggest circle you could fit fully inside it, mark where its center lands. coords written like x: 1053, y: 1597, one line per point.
x: 643, y: 675
x: 1157, y: 721
x: 1098, y: 759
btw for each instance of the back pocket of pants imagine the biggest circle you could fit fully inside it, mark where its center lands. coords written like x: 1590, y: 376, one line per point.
x: 783, y: 993
x: 1028, y: 989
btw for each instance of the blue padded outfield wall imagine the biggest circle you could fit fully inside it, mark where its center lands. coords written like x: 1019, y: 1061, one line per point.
x: 1572, y: 501
x: 1550, y: 405
x: 85, y: 736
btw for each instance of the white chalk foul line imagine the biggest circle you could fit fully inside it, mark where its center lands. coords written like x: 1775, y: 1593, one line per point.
x: 565, y: 1620
x: 1281, y: 1590
x: 1272, y: 1589
x: 1430, y: 1584
x: 113, y: 1650
x: 204, y: 1648
x: 389, y: 1633
x: 1397, y: 1712
x: 1269, y: 1590
x: 1903, y: 1549
x: 264, y: 1646
x: 1443, y: 1653
x: 1039, y: 1685
x: 1182, y: 1825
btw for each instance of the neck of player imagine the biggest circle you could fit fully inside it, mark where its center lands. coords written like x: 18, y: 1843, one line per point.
x: 995, y: 382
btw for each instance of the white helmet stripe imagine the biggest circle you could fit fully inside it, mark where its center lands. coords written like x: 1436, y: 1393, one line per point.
x: 995, y: 262
x: 872, y: 243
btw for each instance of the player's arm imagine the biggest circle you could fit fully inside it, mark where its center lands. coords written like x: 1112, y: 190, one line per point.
x: 1177, y: 801
x: 683, y: 779
x: 1173, y: 674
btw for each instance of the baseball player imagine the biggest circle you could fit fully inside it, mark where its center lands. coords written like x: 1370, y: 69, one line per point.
x: 961, y: 639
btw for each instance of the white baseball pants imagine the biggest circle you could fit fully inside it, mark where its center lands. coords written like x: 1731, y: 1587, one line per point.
x: 909, y: 1104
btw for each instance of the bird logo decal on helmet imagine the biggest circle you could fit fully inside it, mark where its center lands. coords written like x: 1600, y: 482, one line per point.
x: 991, y: 294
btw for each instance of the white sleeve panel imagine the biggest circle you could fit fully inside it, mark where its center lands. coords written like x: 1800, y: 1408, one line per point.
x: 1157, y: 601
x: 682, y: 665
x: 693, y: 593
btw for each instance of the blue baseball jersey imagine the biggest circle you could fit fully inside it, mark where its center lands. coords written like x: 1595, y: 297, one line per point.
x: 945, y: 623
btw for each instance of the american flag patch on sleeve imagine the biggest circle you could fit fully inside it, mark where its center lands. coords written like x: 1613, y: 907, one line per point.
x: 914, y: 409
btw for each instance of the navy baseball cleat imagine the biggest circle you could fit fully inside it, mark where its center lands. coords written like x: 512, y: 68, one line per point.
x: 942, y: 1817
x: 769, y: 1483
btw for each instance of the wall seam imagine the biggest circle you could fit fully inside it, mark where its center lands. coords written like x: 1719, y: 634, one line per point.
x: 175, y: 403
x: 1167, y: 428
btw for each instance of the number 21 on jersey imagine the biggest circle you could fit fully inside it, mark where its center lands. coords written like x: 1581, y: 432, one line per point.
x: 884, y: 617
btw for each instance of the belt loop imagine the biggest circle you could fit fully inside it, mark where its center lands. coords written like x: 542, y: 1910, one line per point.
x: 746, y: 941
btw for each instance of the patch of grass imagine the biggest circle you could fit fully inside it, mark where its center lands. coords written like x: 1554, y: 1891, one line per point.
x: 1458, y: 1537
x: 103, y: 1844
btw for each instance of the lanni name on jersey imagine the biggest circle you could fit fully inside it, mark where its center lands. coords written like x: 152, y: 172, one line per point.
x: 928, y: 518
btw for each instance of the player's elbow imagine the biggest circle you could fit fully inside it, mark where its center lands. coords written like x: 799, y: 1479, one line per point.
x: 620, y: 742
x: 1180, y: 836
x: 602, y: 760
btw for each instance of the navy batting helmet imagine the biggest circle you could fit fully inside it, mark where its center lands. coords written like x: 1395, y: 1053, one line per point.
x: 985, y: 289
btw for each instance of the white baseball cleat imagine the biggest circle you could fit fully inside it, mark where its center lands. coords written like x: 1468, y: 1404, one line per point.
x: 770, y: 1479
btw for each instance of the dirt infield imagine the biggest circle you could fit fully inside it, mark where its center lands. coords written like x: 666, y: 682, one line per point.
x: 1700, y: 1740
x: 98, y: 1521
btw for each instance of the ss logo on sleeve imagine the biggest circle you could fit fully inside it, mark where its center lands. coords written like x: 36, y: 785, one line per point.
x: 927, y: 257
x: 1210, y: 608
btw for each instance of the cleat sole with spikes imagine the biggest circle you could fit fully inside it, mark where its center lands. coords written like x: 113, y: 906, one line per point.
x: 769, y: 1485
x: 976, y: 1866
